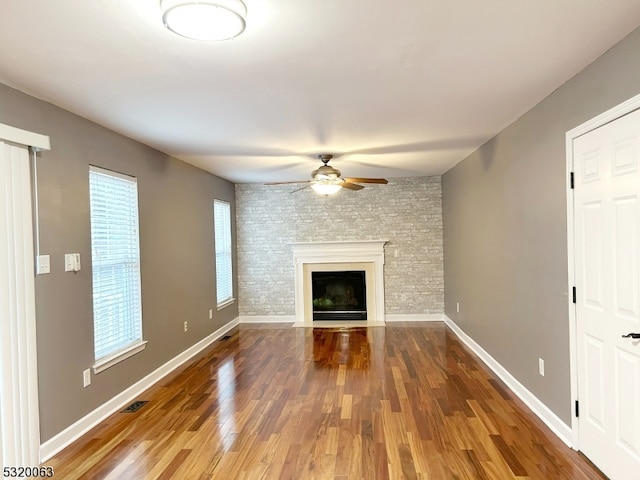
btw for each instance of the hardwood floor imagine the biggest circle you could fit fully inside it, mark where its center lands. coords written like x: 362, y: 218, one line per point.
x: 274, y: 402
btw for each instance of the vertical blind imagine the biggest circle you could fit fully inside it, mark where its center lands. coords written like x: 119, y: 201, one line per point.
x: 19, y: 420
x: 115, y: 253
x: 222, y: 229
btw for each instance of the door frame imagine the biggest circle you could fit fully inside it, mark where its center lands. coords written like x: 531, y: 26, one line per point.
x: 596, y: 122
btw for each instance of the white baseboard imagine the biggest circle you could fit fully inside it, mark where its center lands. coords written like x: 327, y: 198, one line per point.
x: 63, y: 439
x: 416, y: 317
x: 267, y: 318
x: 317, y: 324
x: 557, y: 426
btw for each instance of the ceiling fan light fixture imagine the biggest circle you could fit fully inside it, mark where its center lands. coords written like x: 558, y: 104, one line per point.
x: 327, y: 180
x: 326, y: 188
x: 207, y: 21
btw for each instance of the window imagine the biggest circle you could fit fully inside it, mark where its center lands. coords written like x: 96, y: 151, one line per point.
x: 115, y: 254
x: 224, y: 272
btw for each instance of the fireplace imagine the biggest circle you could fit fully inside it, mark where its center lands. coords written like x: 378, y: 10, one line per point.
x: 339, y: 295
x: 329, y: 258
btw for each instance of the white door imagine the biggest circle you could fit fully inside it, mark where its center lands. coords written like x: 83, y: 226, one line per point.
x: 607, y: 272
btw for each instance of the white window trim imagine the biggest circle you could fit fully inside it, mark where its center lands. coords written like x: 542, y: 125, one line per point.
x: 112, y: 360
x: 107, y: 362
x: 226, y: 303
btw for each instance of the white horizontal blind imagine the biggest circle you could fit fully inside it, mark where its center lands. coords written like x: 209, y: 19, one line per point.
x: 224, y: 273
x: 115, y: 253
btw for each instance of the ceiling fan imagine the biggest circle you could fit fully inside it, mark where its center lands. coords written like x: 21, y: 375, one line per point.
x: 327, y: 180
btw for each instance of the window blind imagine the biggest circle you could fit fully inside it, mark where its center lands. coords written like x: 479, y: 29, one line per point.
x: 224, y: 273
x: 115, y: 253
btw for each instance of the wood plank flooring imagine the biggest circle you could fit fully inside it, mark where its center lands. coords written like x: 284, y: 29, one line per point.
x: 407, y: 401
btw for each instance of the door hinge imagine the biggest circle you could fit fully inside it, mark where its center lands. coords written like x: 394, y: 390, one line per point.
x: 575, y: 295
x: 571, y: 180
x: 577, y: 408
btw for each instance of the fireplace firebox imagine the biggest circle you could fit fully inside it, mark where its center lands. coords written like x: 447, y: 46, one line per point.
x: 339, y: 295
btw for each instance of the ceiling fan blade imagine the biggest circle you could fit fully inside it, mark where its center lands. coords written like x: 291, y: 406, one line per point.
x: 302, y: 188
x: 287, y: 183
x: 366, y: 180
x: 351, y: 186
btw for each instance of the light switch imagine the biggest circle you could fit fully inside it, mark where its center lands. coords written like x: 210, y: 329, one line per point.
x: 68, y: 262
x: 43, y: 264
x: 71, y: 262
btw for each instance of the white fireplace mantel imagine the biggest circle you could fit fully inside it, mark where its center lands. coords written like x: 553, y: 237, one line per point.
x: 367, y: 255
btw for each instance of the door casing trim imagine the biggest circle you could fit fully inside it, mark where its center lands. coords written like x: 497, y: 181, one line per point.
x: 606, y: 117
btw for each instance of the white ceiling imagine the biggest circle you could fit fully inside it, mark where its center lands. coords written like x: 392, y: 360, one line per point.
x: 391, y: 88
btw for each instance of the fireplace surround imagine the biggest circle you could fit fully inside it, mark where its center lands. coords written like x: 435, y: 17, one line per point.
x: 338, y: 256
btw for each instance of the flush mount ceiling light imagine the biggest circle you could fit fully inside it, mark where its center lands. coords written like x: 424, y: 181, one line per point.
x: 208, y: 21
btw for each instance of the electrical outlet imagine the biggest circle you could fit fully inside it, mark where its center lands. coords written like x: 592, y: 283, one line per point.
x: 541, y: 366
x: 86, y: 377
x: 210, y: 314
x: 186, y: 326
x: 457, y: 307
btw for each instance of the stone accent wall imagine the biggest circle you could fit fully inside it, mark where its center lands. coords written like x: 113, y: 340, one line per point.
x: 407, y: 212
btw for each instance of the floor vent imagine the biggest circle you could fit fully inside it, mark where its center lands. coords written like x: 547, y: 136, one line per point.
x: 226, y: 337
x: 134, y: 407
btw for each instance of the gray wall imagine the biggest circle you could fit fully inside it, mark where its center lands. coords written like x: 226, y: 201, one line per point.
x: 407, y: 212
x: 176, y: 241
x: 505, y: 235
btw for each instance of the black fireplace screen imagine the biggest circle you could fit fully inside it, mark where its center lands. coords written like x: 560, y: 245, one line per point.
x: 339, y: 295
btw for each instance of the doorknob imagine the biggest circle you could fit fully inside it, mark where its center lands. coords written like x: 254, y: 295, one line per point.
x: 632, y: 335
